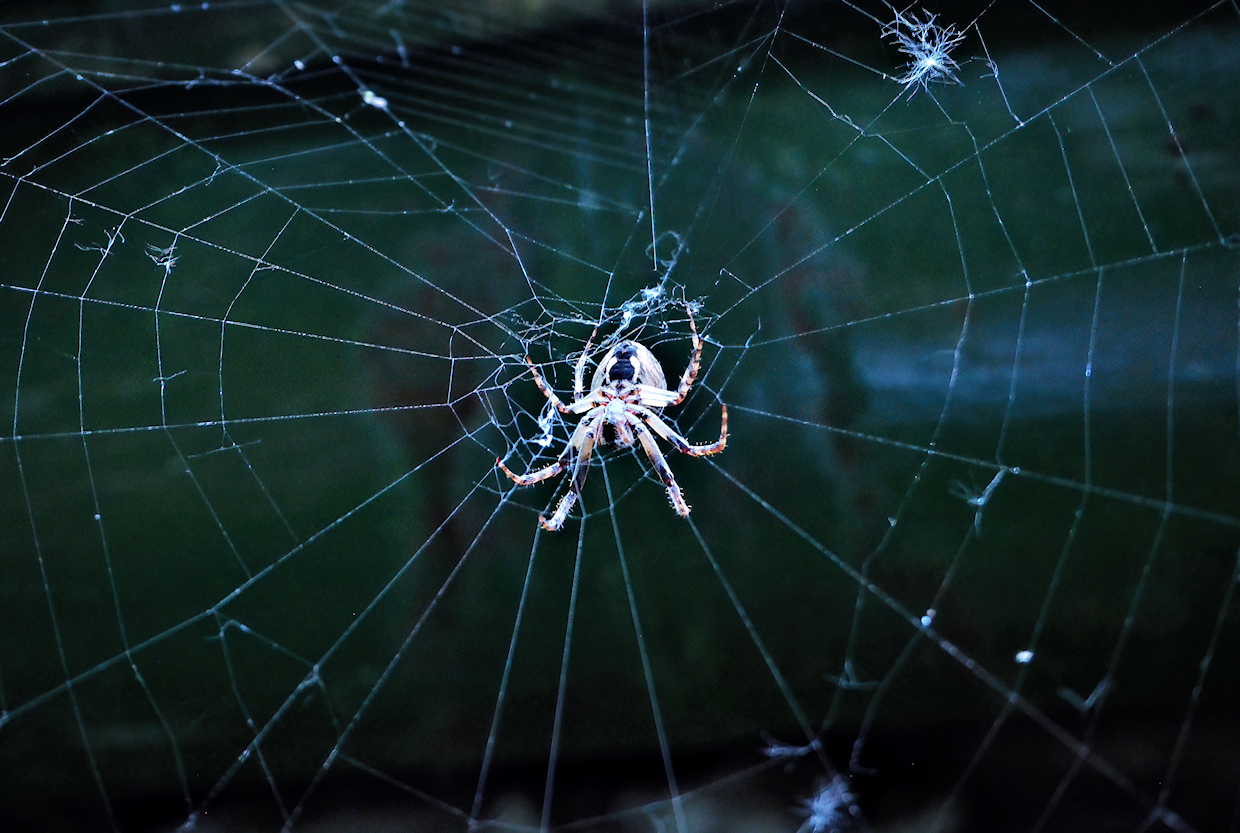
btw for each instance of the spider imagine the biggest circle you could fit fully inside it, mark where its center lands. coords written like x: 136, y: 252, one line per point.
x: 626, y: 395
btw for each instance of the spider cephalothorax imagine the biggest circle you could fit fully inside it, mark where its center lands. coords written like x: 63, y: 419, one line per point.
x: 626, y: 395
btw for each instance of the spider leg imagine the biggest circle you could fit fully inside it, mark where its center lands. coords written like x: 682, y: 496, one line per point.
x: 660, y: 465
x: 547, y: 391
x: 589, y: 403
x: 580, y: 405
x: 579, y: 387
x: 546, y: 472
x: 668, y: 433
x: 695, y: 361
x: 530, y: 478
x: 583, y: 441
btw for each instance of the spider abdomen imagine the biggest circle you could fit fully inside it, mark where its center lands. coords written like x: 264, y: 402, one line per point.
x: 629, y: 362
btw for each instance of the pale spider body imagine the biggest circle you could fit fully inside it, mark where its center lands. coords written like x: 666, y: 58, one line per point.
x: 627, y: 393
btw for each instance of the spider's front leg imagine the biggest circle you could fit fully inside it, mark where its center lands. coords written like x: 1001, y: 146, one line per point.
x: 545, y: 388
x: 579, y: 388
x: 695, y: 362
x: 580, y: 405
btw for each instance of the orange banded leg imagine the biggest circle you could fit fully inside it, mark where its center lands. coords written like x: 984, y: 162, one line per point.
x: 695, y: 362
x: 681, y: 444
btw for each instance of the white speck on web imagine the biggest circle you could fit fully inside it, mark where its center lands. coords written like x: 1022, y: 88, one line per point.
x: 929, y: 45
x: 829, y: 807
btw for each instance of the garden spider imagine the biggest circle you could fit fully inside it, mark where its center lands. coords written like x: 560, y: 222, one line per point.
x: 626, y: 395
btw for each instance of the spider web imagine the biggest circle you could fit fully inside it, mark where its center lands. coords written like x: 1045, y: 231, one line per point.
x: 966, y: 278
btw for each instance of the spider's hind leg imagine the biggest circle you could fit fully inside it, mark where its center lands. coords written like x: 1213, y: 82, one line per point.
x: 530, y: 478
x: 583, y: 441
